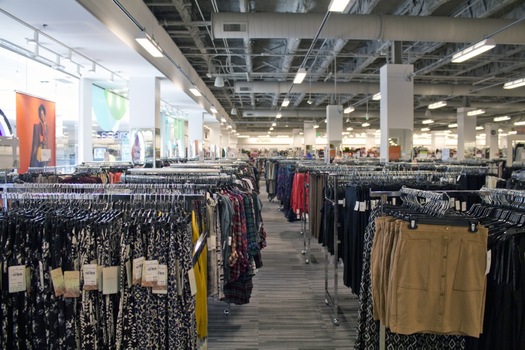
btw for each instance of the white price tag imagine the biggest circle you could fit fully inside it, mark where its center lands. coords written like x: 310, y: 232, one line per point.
x: 458, y: 205
x: 110, y: 280
x: 90, y: 276
x: 16, y: 278
x: 150, y: 273
x: 356, y: 207
x: 362, y: 206
x: 463, y: 206
x: 162, y: 280
x: 394, y: 201
x: 489, y: 261
x: 137, y: 269
x: 193, y: 282
x: 340, y: 201
x: 230, y: 240
x: 211, y: 242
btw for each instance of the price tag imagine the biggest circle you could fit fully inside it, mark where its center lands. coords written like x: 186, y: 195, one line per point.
x: 137, y: 270
x: 129, y: 273
x: 162, y: 280
x: 212, y: 242
x: 356, y: 207
x: 110, y: 279
x: 41, y: 273
x: 362, y: 206
x: 149, y: 273
x: 394, y: 201
x: 57, y: 277
x: 230, y: 240
x: 463, y: 206
x: 90, y: 276
x: 452, y: 203
x: 193, y: 282
x: 72, y: 284
x: 489, y: 261
x: 340, y: 201
x: 46, y: 155
x: 16, y: 278
x: 458, y: 205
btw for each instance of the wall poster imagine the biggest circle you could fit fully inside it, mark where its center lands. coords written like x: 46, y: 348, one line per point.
x: 35, y: 129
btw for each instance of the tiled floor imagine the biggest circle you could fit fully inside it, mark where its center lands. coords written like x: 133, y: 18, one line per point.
x: 287, y: 309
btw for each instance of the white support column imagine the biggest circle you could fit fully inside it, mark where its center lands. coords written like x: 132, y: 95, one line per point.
x: 298, y: 141
x: 309, y: 135
x: 397, y: 108
x: 491, y: 140
x: 334, y: 126
x: 195, y: 133
x: 215, y: 140
x: 144, y: 111
x: 225, y: 141
x: 466, y: 131
x: 85, y: 124
x: 370, y: 139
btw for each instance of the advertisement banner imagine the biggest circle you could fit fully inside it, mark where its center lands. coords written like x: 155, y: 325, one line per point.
x: 35, y: 128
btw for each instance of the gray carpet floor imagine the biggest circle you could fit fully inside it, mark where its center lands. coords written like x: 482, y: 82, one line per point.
x: 287, y: 308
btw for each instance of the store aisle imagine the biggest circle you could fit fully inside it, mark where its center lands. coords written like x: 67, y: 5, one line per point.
x: 287, y: 309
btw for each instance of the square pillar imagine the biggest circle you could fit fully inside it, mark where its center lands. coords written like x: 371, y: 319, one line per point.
x: 466, y: 131
x: 397, y: 108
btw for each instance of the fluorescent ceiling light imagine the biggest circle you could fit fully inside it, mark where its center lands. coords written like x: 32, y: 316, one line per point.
x: 278, y: 116
x: 349, y: 128
x: 425, y: 129
x: 453, y: 125
x: 229, y: 126
x: 479, y: 127
x: 475, y: 112
x: 271, y: 128
x: 299, y: 76
x: 301, y: 133
x: 223, y: 120
x: 427, y: 121
x: 213, y: 109
x: 274, y: 124
x: 473, y: 50
x: 316, y: 126
x: 364, y: 125
x: 282, y: 136
x: 514, y: 84
x: 514, y: 132
x: 269, y: 132
x: 438, y: 104
x: 520, y: 123
x: 243, y: 136
x: 338, y: 5
x: 195, y: 91
x: 149, y: 44
x: 286, y: 102
x: 219, y: 82
x: 234, y: 131
x: 376, y: 96
x: 349, y: 109
x: 502, y: 118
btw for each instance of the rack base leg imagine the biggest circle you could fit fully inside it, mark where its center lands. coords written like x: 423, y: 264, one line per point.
x: 335, y: 321
x: 227, y: 310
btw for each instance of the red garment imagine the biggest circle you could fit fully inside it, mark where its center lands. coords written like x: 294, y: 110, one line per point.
x: 297, y: 200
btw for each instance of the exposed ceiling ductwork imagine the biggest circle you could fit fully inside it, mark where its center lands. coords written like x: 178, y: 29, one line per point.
x: 364, y: 27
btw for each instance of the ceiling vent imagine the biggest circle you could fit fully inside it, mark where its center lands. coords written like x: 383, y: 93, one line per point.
x: 245, y: 89
x: 239, y: 27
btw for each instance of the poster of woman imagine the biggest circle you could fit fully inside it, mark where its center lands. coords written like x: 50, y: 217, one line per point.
x: 35, y: 128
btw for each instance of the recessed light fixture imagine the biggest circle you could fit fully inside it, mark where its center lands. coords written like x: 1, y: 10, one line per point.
x: 502, y: 118
x: 278, y: 116
x: 376, y: 96
x: 149, y: 44
x: 286, y: 102
x: 520, y: 123
x: 453, y: 125
x: 427, y: 121
x: 349, y: 128
x: 473, y: 50
x: 349, y: 109
x: 338, y: 5
x: 438, y: 104
x: 195, y: 91
x: 316, y: 126
x: 479, y: 127
x: 299, y: 76
x: 514, y: 84
x: 364, y: 125
x: 425, y: 129
x: 475, y: 112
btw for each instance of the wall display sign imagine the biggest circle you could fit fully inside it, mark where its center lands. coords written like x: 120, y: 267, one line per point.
x: 35, y: 128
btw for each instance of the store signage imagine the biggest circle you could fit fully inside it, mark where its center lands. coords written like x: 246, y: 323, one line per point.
x: 117, y: 136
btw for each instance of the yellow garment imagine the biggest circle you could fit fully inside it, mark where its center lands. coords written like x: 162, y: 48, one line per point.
x: 200, y: 268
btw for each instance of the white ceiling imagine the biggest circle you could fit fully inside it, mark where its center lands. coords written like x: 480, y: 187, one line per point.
x: 69, y: 23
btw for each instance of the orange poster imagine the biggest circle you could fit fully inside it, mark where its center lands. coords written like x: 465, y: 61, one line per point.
x: 35, y: 128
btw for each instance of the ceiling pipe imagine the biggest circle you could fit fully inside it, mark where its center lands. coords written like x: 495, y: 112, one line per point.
x: 364, y: 27
x: 244, y: 7
x: 371, y: 88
